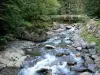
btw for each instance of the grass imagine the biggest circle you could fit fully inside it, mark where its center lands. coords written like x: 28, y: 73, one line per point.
x: 91, y: 37
x: 98, y: 22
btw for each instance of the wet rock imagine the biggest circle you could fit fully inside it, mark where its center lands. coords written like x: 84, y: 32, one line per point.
x: 68, y: 27
x: 34, y: 36
x: 92, y: 67
x: 59, y: 54
x: 70, y: 59
x: 71, y: 63
x: 85, y: 73
x: 85, y: 51
x: 79, y: 48
x: 79, y: 42
x: 91, y: 45
x: 92, y: 51
x: 97, y: 61
x: 79, y: 68
x: 62, y: 36
x: 50, y: 47
x: 67, y: 41
x: 95, y: 56
x: 88, y: 60
x: 2, y: 66
x: 44, y: 71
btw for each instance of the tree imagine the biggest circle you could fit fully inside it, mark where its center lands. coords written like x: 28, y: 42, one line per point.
x: 18, y: 14
x: 92, y: 8
x: 69, y: 7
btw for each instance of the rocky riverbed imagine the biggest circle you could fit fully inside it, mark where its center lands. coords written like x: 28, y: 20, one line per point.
x: 64, y: 53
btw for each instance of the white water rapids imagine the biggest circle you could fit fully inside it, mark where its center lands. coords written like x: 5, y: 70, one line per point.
x: 56, y: 65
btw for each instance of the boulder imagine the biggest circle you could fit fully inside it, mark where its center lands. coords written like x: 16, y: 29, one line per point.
x: 36, y: 37
x: 95, y: 56
x: 91, y: 45
x: 92, y: 51
x: 68, y: 27
x: 92, y: 67
x: 79, y: 68
x: 88, y: 60
x: 2, y: 66
x: 13, y: 58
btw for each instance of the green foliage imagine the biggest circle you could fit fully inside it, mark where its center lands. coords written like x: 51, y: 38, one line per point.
x: 92, y: 8
x: 90, y: 37
x: 71, y: 7
x: 25, y: 13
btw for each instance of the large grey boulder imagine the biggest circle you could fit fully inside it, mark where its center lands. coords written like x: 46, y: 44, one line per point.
x: 13, y: 58
x: 32, y: 36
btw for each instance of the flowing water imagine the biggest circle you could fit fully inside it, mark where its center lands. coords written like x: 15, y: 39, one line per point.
x: 58, y: 61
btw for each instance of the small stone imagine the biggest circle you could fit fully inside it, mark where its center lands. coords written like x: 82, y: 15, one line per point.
x: 50, y: 47
x: 67, y: 54
x: 42, y: 70
x: 79, y: 68
x: 71, y: 63
x: 68, y: 27
x: 79, y: 48
x: 78, y: 55
x: 59, y: 54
